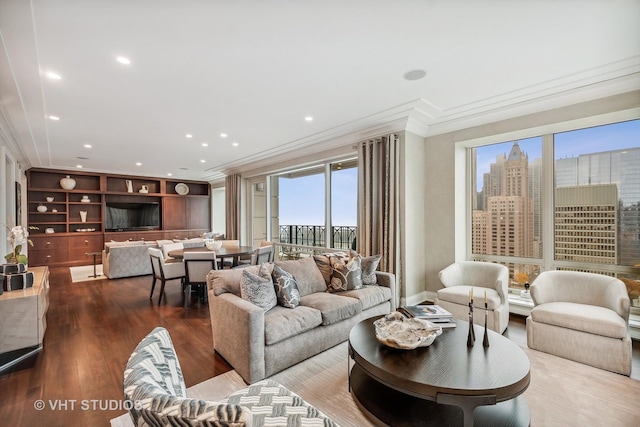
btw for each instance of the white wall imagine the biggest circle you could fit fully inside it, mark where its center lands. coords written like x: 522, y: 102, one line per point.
x: 219, y: 219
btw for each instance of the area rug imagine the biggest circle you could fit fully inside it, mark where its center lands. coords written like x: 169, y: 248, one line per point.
x: 84, y: 273
x: 561, y: 392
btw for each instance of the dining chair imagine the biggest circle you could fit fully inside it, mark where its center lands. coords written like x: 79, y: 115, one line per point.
x: 164, y: 271
x: 273, y: 248
x: 166, y: 248
x: 196, y: 266
x: 260, y: 255
x: 228, y: 262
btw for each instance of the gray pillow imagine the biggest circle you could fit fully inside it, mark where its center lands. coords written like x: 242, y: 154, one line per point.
x: 286, y: 287
x: 345, y: 276
x: 369, y: 266
x: 258, y: 289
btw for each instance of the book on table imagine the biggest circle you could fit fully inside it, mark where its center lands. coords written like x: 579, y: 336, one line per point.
x: 429, y: 312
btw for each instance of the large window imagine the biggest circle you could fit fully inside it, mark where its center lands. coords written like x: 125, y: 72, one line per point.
x: 592, y: 208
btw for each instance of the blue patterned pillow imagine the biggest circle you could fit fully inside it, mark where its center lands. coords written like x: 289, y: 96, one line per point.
x: 286, y: 287
x: 258, y: 289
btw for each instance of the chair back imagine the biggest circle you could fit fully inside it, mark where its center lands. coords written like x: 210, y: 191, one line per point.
x: 273, y: 248
x: 171, y: 247
x: 157, y: 259
x: 230, y: 243
x: 162, y: 270
x: 198, y: 264
x: 262, y: 254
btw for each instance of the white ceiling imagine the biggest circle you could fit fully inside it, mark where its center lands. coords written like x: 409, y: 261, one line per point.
x: 255, y: 69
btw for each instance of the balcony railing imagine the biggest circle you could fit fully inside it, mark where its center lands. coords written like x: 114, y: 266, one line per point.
x: 344, y: 236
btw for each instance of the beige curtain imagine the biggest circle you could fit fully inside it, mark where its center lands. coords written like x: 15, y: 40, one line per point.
x: 232, y: 205
x: 378, y: 200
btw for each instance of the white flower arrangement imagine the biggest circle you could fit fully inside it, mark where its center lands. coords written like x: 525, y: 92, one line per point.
x: 18, y: 236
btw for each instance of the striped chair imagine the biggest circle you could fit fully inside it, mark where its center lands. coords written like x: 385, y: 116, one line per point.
x: 156, y: 395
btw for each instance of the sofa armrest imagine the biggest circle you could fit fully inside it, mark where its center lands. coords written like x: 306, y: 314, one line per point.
x: 106, y: 268
x: 388, y: 280
x: 238, y: 334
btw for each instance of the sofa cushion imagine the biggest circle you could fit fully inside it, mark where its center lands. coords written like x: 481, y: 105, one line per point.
x: 273, y: 404
x: 369, y: 266
x: 286, y: 287
x: 307, y: 274
x: 460, y: 295
x: 258, y: 288
x: 325, y: 260
x: 581, y: 317
x: 369, y: 295
x: 281, y: 323
x: 345, y: 275
x: 222, y: 281
x: 333, y: 308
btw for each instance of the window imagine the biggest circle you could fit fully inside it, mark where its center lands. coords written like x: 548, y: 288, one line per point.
x: 593, y: 214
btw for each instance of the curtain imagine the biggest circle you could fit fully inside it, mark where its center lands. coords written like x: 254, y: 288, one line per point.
x: 378, y: 200
x: 232, y: 206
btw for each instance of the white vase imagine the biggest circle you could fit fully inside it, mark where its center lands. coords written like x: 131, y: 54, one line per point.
x: 68, y: 183
x: 83, y: 216
x: 41, y: 208
x: 129, y: 186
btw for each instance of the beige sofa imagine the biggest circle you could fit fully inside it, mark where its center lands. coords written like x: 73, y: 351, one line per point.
x: 582, y: 317
x: 126, y: 259
x: 258, y: 344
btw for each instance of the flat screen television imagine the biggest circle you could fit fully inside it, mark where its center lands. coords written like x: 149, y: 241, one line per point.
x: 132, y: 216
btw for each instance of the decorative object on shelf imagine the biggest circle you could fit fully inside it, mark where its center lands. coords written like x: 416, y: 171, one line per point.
x: 485, y: 340
x: 68, y: 183
x: 83, y: 216
x: 18, y: 235
x: 85, y: 199
x: 49, y: 230
x: 395, y: 330
x: 129, y: 186
x: 41, y: 208
x: 144, y: 189
x: 182, y: 189
x: 526, y: 293
x: 54, y: 210
x: 50, y: 199
x: 471, y: 338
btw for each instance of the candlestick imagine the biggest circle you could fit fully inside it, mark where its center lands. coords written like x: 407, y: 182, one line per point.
x: 471, y: 337
x: 485, y: 340
x: 485, y: 299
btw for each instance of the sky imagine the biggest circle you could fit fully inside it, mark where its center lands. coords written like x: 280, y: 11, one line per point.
x: 302, y: 199
x: 567, y: 144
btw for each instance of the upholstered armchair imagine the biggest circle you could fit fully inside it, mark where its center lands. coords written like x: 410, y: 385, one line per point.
x: 480, y: 278
x: 581, y: 317
x: 164, y: 271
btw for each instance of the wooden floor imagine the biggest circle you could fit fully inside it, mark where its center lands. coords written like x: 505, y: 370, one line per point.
x: 92, y: 329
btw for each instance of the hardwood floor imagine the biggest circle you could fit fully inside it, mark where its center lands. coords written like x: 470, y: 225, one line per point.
x: 93, y: 328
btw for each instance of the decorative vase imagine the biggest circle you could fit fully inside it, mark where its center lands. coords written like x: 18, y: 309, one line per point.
x: 83, y: 216
x: 41, y: 208
x: 129, y: 186
x: 68, y: 183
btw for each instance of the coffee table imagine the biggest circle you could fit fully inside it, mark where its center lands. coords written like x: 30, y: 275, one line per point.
x: 445, y: 384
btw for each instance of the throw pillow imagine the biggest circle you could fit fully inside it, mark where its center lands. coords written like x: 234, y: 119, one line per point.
x: 324, y: 262
x: 286, y: 287
x: 369, y: 266
x: 345, y: 276
x: 258, y: 289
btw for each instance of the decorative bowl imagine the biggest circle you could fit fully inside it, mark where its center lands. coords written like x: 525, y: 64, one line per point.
x: 406, y: 333
x: 213, y: 245
x: 49, y: 199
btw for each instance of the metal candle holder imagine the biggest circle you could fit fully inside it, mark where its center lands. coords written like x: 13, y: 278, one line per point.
x: 485, y: 340
x: 471, y: 338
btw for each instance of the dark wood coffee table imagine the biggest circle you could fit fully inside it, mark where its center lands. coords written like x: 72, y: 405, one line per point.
x: 445, y: 384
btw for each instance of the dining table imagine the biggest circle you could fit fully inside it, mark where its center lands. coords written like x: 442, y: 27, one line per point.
x: 225, y: 252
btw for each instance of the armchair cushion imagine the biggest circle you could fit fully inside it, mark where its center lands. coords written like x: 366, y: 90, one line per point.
x: 581, y: 317
x: 460, y: 295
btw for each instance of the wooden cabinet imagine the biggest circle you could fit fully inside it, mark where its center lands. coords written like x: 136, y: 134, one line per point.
x: 71, y: 222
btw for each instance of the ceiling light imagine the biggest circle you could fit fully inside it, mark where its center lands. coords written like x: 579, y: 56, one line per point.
x: 235, y: 144
x: 87, y: 145
x: 79, y: 166
x: 309, y: 118
x: 223, y: 135
x: 123, y: 60
x: 55, y: 118
x: 53, y: 76
x: 204, y: 144
x: 414, y: 74
x: 138, y: 164
x: 203, y: 161
x: 188, y: 135
x: 169, y: 174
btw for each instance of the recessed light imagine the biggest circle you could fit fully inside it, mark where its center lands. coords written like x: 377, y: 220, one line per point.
x: 54, y: 76
x: 309, y: 118
x: 55, y: 118
x: 138, y: 164
x: 204, y: 144
x: 123, y: 60
x: 235, y: 144
x: 203, y: 161
x: 223, y: 135
x: 169, y: 174
x: 87, y: 145
x: 414, y: 74
x: 79, y: 166
x: 188, y: 135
